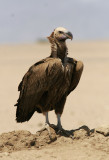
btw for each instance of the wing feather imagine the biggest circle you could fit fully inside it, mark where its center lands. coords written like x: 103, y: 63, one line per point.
x: 76, y: 75
x: 39, y: 78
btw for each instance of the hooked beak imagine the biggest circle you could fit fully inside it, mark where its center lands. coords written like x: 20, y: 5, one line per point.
x: 69, y: 35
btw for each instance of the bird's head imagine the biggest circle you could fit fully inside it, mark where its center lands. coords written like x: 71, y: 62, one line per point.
x: 61, y: 34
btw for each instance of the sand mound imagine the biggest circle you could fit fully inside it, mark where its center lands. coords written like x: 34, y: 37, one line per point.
x: 22, y: 140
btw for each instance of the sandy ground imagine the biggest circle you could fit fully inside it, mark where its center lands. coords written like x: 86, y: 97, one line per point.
x: 85, y: 144
x: 87, y: 105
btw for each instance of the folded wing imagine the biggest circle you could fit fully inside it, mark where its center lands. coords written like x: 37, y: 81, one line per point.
x: 39, y: 78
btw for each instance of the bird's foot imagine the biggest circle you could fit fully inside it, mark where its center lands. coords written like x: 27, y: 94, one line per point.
x: 60, y: 131
x: 65, y: 133
x: 46, y: 127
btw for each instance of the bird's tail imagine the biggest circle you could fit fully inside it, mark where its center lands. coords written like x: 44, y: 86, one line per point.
x: 21, y: 115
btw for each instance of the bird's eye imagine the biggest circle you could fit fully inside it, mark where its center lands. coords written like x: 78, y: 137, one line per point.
x: 60, y: 32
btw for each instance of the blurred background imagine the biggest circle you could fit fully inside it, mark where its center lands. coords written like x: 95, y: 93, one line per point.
x: 24, y: 26
x: 24, y: 21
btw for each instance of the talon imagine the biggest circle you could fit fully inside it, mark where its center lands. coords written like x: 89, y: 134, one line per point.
x: 59, y: 131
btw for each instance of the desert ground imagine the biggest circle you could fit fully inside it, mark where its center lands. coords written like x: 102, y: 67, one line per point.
x: 86, y: 113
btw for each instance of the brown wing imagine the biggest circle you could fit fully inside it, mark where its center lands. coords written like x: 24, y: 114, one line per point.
x: 77, y: 72
x: 39, y: 78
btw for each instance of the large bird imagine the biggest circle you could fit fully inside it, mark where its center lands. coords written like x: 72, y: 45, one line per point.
x: 48, y: 82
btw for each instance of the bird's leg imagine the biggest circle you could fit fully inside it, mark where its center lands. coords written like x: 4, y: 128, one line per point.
x: 46, y: 126
x: 60, y: 129
x: 59, y: 126
x: 46, y: 117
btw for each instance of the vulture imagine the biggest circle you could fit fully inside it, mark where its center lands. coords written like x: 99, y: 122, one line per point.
x: 47, y: 83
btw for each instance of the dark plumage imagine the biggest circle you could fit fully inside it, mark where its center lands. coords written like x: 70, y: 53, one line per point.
x: 48, y: 82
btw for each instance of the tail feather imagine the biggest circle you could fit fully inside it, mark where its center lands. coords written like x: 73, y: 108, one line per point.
x: 21, y: 115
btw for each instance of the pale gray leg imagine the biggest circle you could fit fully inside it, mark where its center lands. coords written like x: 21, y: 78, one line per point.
x: 46, y: 126
x: 60, y: 129
x: 46, y: 118
x: 59, y: 121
